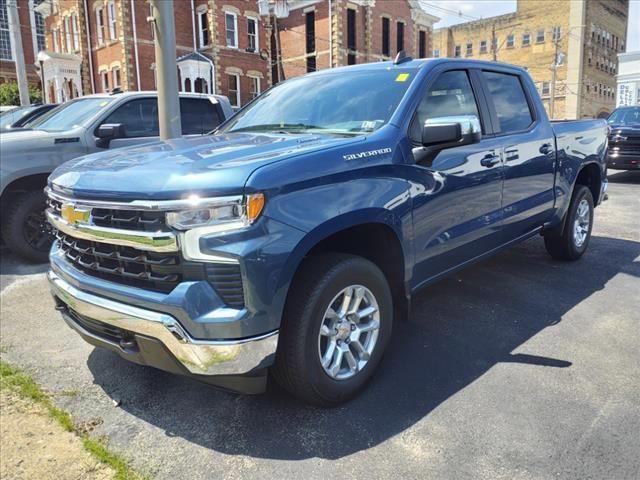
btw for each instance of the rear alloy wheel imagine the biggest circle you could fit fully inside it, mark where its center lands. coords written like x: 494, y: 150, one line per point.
x: 570, y: 242
x: 335, y: 328
x: 25, y: 228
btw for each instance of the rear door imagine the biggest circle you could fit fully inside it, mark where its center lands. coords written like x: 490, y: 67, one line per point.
x: 457, y: 195
x: 528, y: 144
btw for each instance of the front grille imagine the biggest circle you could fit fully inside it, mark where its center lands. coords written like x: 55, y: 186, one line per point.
x: 159, y: 272
x: 102, y: 330
x: 138, y: 220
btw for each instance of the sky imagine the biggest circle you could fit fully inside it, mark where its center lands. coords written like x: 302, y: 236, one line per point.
x: 472, y: 10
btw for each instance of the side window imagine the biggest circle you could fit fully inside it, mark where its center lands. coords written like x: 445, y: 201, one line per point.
x: 198, y: 116
x: 139, y: 117
x: 450, y: 95
x: 509, y: 100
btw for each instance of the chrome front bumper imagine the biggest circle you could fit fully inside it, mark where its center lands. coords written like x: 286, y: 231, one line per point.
x: 198, y: 357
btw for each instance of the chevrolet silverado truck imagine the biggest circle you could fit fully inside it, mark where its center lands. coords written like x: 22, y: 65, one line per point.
x: 289, y: 239
x: 88, y: 124
x: 624, y: 139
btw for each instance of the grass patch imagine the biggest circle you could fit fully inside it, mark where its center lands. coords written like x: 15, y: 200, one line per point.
x: 24, y: 385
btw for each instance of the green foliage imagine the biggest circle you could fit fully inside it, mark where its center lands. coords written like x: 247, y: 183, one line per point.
x: 9, y: 94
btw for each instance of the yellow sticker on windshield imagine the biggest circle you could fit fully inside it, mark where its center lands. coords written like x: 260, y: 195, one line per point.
x: 402, y: 77
x: 102, y: 104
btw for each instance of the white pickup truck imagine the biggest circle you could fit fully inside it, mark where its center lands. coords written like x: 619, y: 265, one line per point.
x: 85, y: 125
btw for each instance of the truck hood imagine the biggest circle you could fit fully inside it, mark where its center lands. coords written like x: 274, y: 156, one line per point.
x: 207, y: 166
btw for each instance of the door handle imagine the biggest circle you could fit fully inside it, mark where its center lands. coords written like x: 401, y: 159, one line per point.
x: 490, y: 160
x: 546, y: 149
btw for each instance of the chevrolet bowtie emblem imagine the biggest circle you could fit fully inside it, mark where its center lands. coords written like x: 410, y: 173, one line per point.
x: 74, y: 215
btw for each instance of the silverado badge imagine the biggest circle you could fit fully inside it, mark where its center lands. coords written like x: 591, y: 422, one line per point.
x: 74, y: 215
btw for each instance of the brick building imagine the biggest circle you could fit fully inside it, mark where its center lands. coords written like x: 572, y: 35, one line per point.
x: 320, y: 34
x: 222, y: 46
x: 32, y: 31
x: 587, y: 35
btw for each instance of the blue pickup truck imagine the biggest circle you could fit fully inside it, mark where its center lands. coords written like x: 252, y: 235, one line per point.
x: 291, y: 238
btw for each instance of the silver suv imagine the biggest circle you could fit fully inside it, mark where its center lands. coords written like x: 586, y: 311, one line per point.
x: 76, y: 128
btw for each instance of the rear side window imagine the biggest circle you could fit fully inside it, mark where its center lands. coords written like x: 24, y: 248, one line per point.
x: 139, y: 117
x: 450, y: 95
x: 509, y: 100
x: 199, y: 116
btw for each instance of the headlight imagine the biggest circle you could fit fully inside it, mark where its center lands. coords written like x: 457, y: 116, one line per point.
x: 224, y: 213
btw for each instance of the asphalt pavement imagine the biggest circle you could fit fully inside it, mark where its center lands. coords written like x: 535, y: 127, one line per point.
x: 517, y: 367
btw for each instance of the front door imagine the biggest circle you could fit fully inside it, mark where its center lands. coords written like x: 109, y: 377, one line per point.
x: 457, y: 195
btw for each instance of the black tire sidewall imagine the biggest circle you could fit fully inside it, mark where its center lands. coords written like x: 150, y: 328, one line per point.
x: 356, y: 272
x: 13, y: 225
x: 583, y: 193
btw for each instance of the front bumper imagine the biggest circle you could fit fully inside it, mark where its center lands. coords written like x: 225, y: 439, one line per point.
x: 158, y: 339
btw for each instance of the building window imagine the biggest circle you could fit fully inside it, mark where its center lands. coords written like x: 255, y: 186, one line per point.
x: 67, y: 35
x: 152, y: 27
x: 456, y: 51
x: 526, y: 39
x: 540, y: 36
x: 386, y: 43
x: 483, y: 46
x: 104, y: 79
x: 436, y: 53
x: 115, y: 74
x: 41, y: 38
x: 351, y: 36
x: 56, y: 41
x: 234, y: 89
x: 254, y: 86
x: 74, y: 32
x: 400, y: 36
x: 469, y: 49
x: 252, y: 34
x: 111, y: 18
x: 203, y: 28
x: 511, y: 41
x: 422, y: 44
x: 231, y: 27
x: 310, y: 40
x: 5, y: 36
x: 556, y: 33
x: 545, y: 88
x: 100, y: 25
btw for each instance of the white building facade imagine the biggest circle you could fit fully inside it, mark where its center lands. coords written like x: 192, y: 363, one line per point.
x: 628, y: 89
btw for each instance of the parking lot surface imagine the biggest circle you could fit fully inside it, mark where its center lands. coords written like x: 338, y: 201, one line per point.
x: 517, y: 367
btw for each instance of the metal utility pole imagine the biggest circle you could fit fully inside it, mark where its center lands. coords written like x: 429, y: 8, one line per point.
x: 494, y: 42
x: 166, y: 69
x: 554, y: 68
x: 17, y: 52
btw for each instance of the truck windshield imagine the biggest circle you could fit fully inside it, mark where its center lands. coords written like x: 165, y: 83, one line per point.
x: 70, y: 114
x: 338, y: 103
x: 625, y: 116
x: 12, y: 116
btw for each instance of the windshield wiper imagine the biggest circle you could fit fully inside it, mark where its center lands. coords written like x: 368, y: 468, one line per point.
x: 287, y: 128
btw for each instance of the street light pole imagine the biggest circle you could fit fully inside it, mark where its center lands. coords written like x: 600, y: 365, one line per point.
x: 166, y: 69
x: 18, y: 52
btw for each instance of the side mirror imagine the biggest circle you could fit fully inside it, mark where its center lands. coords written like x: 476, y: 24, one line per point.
x: 107, y: 132
x: 447, y: 132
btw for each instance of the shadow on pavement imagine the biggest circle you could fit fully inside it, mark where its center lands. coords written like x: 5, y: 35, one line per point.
x: 459, y: 329
x: 629, y: 177
x: 13, y: 265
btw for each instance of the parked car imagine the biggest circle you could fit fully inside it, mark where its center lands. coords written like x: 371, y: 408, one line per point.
x: 19, y: 117
x: 288, y: 238
x: 6, y: 108
x: 78, y: 127
x: 624, y: 139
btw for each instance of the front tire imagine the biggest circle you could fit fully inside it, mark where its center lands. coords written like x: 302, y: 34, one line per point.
x: 578, y: 223
x: 25, y: 229
x: 336, y: 326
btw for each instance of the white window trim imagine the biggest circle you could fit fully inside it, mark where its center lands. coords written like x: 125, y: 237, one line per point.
x: 67, y: 33
x: 55, y: 32
x: 75, y: 33
x: 104, y: 80
x: 238, y: 96
x: 113, y: 77
x: 203, y: 10
x: 34, y: 29
x: 112, y: 21
x: 10, y: 40
x: 235, y: 28
x: 99, y: 25
x: 257, y: 79
x: 257, y: 34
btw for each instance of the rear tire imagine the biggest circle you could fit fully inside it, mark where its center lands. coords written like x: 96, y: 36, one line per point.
x: 572, y: 242
x: 328, y: 349
x: 25, y: 229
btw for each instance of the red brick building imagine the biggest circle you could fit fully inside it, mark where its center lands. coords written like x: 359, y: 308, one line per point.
x: 330, y: 33
x: 32, y: 31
